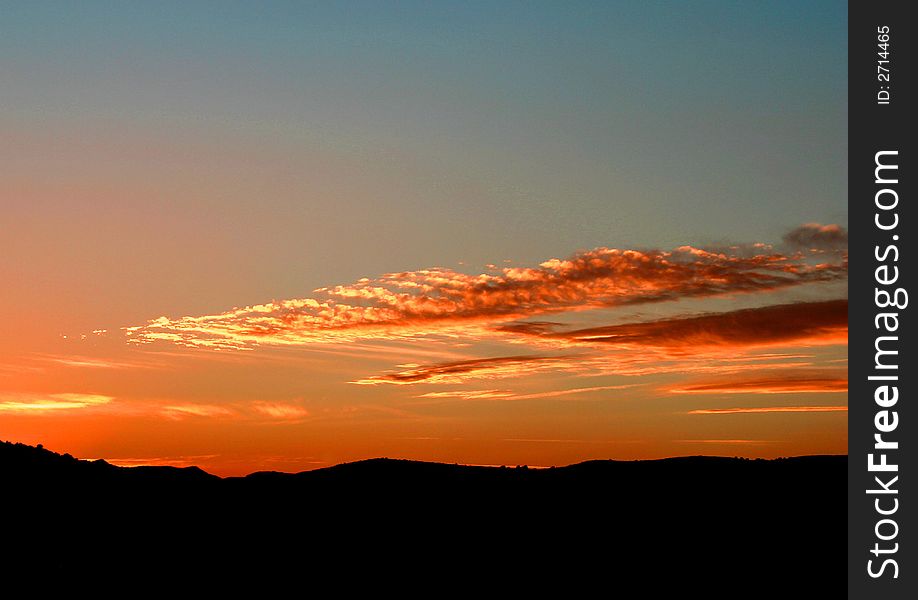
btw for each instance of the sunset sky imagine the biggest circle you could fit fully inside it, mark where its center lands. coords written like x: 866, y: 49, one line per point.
x: 284, y: 235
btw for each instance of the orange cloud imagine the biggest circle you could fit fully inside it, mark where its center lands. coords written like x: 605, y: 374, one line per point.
x: 94, y: 363
x: 178, y: 411
x: 507, y: 395
x: 455, y: 372
x: 818, y: 237
x: 740, y: 441
x: 280, y: 411
x: 768, y: 409
x: 794, y: 382
x: 275, y: 411
x: 445, y: 302
x: 45, y: 403
x: 469, y: 394
x: 557, y: 441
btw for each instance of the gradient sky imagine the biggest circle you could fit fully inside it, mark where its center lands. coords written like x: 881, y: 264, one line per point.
x: 282, y: 235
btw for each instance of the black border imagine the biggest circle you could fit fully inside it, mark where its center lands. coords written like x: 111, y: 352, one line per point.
x: 875, y: 127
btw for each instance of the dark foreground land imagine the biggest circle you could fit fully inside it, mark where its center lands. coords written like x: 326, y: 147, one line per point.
x: 695, y: 523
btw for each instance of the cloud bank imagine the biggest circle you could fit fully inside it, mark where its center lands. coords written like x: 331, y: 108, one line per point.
x: 440, y: 301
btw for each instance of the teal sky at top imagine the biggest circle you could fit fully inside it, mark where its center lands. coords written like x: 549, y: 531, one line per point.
x: 229, y: 152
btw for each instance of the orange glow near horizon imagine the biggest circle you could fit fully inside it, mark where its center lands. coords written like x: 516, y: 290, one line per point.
x: 607, y: 354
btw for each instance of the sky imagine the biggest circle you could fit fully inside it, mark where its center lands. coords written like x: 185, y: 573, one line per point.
x: 285, y: 235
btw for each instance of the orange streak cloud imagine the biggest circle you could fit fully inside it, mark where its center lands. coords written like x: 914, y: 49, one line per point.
x: 768, y: 409
x: 724, y: 441
x: 45, y: 403
x: 611, y: 363
x: 280, y: 411
x: 258, y: 410
x: 196, y: 410
x: 708, y: 343
x: 454, y: 372
x: 773, y: 385
x: 803, y: 323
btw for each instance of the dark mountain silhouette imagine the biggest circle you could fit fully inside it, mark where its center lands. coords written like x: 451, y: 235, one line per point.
x: 703, y: 522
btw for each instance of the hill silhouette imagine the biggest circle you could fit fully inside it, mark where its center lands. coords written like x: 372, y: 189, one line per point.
x: 704, y: 520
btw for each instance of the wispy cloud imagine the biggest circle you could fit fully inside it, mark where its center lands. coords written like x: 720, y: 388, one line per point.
x: 508, y: 395
x: 455, y: 372
x: 161, y: 461
x: 720, y: 343
x: 252, y: 410
x: 95, y: 363
x: 440, y: 301
x: 611, y: 362
x: 803, y: 324
x: 767, y: 409
x: 280, y: 411
x: 178, y: 411
x: 45, y: 403
x: 558, y: 441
